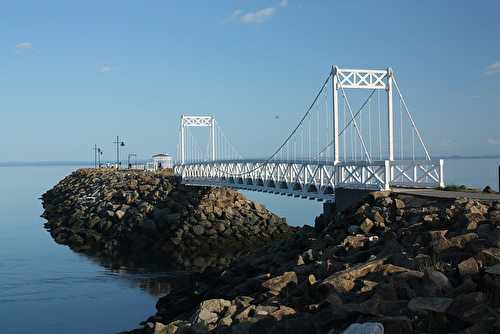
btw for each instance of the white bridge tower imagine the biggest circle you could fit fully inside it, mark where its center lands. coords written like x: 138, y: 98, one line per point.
x: 197, y: 121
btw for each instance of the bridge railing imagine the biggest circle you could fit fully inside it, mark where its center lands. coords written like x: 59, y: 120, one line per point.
x: 313, y: 179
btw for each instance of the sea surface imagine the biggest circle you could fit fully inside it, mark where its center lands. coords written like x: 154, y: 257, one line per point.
x: 47, y: 288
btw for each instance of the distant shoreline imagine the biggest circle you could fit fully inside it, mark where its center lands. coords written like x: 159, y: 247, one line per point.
x: 55, y: 163
x: 44, y: 163
x: 90, y: 163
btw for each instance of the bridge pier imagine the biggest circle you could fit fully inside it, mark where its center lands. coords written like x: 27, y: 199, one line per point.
x: 344, y: 198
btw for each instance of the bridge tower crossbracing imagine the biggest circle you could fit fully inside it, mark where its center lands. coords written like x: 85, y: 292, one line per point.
x: 363, y: 79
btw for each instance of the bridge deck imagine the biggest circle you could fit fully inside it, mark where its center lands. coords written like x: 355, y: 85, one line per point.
x: 314, y: 180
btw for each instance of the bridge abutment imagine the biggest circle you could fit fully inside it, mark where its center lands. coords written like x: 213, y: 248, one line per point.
x: 344, y: 197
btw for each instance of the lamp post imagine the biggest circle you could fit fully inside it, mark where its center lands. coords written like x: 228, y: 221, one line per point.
x: 128, y: 159
x: 99, y: 153
x: 118, y: 145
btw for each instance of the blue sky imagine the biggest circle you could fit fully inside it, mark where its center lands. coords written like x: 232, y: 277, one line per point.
x: 75, y: 73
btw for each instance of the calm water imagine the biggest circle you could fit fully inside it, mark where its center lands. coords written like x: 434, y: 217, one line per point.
x: 46, y: 288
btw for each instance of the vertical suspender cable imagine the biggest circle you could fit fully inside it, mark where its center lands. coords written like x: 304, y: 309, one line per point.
x: 361, y: 129
x: 412, y: 121
x: 370, y: 125
x: 413, y: 143
x: 379, y: 127
x: 401, y: 144
x: 309, y: 136
x: 356, y: 125
x: 345, y: 137
x: 317, y: 131
x: 353, y: 141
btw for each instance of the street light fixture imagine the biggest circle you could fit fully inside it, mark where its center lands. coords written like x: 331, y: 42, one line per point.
x: 99, y: 153
x: 118, y: 145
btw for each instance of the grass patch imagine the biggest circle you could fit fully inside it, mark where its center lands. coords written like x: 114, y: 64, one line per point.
x: 455, y: 187
x: 463, y: 188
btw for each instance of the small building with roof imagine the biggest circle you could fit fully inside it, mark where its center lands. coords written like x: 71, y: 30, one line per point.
x: 162, y: 161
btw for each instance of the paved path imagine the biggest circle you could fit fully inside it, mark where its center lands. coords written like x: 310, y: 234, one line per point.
x: 448, y: 194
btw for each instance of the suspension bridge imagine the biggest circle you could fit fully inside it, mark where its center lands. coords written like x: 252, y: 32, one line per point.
x: 366, y: 140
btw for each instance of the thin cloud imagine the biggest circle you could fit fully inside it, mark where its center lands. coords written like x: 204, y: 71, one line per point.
x: 105, y: 69
x: 257, y: 17
x: 493, y: 68
x: 234, y: 15
x: 24, y: 46
x: 493, y: 141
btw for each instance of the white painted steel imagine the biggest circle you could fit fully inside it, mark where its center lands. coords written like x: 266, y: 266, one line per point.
x: 197, y: 121
x: 314, y: 180
x: 335, y: 103
x: 355, y: 78
x: 363, y: 79
x: 390, y: 115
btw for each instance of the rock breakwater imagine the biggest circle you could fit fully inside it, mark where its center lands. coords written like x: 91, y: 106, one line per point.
x: 392, y: 264
x: 138, y: 217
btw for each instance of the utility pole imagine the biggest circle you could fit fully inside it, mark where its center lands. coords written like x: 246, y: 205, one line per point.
x: 95, y: 155
x: 118, y: 145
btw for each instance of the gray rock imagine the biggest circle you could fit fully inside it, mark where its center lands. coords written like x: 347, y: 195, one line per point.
x: 198, y: 229
x: 387, y: 201
x: 399, y: 204
x: 119, y: 214
x: 494, y: 270
x: 308, y: 255
x: 365, y: 328
x: 207, y: 314
x: 490, y: 256
x: 468, y: 267
x: 276, y: 284
x: 366, y: 225
x: 353, y: 229
x: 379, y: 194
x: 434, y: 304
x: 423, y: 261
x: 439, y: 279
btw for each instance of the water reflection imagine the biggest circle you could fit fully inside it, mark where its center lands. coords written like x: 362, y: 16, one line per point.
x: 154, y: 279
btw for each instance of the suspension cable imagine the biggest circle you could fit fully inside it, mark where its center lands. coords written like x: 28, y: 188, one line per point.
x: 289, y: 136
x: 411, y: 119
x: 347, y: 125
